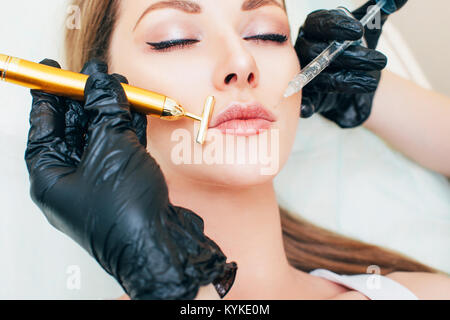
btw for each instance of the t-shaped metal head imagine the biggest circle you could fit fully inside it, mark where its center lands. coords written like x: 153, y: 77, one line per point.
x: 208, y: 110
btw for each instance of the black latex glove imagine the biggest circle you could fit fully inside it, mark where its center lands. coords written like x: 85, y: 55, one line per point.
x: 109, y: 195
x: 344, y: 92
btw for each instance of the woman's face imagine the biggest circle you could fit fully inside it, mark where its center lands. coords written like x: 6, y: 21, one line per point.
x: 238, y: 51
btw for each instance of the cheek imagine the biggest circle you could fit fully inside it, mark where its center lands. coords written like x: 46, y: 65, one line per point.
x: 288, y: 109
x: 288, y: 121
x: 288, y: 133
x: 277, y: 69
x: 163, y: 136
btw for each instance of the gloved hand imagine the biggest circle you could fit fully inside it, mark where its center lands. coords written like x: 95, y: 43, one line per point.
x: 109, y: 195
x: 344, y: 92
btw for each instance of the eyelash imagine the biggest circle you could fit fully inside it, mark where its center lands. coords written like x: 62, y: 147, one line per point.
x: 181, y: 43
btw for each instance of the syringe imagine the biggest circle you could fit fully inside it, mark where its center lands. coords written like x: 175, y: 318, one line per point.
x: 315, y: 67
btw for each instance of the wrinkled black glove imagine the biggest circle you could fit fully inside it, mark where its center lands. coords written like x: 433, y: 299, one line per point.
x: 344, y: 92
x: 109, y: 195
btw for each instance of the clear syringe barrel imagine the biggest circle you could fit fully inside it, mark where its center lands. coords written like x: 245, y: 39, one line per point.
x: 315, y: 67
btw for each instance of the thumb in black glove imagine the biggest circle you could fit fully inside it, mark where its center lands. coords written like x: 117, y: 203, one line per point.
x: 108, y: 194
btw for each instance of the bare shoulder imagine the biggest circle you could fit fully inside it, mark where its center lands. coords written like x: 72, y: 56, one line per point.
x: 124, y: 297
x: 423, y: 284
x: 350, y: 295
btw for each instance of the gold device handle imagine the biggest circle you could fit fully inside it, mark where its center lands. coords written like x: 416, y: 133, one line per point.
x: 71, y: 84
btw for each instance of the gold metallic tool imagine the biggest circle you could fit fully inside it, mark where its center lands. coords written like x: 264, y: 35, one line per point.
x: 71, y: 84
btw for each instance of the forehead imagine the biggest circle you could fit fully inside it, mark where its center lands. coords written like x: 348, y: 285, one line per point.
x: 193, y: 6
x: 135, y: 11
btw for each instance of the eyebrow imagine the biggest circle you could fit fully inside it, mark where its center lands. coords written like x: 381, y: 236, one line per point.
x: 194, y: 8
x: 255, y: 4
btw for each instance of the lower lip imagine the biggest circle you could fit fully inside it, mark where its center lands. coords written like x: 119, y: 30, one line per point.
x: 247, y: 127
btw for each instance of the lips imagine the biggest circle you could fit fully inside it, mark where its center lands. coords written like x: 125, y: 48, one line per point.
x: 243, y: 119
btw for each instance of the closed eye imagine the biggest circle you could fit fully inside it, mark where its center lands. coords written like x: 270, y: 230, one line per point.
x: 274, y: 37
x: 166, y: 45
x: 182, y: 43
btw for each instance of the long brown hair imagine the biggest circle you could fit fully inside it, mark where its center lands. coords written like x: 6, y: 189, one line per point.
x: 308, y: 247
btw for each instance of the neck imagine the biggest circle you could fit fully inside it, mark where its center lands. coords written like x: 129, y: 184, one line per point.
x: 245, y: 224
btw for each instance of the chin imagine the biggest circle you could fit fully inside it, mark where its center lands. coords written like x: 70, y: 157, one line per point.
x: 234, y: 175
x: 244, y: 175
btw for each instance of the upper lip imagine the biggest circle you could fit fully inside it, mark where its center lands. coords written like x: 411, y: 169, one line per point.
x: 242, y: 111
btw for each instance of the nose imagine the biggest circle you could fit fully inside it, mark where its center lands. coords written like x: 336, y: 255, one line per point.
x: 236, y: 67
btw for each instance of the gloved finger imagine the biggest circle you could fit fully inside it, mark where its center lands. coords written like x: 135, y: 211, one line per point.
x: 94, y: 66
x: 46, y: 124
x: 308, y: 107
x: 120, y: 78
x: 331, y: 25
x: 139, y: 123
x: 353, y: 58
x: 138, y: 120
x: 46, y: 154
x: 51, y: 63
x: 344, y: 81
x: 110, y: 126
x: 70, y: 147
x: 46, y: 133
x: 106, y: 100
x: 77, y: 118
x: 359, y: 58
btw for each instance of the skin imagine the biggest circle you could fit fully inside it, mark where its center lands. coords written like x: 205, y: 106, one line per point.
x: 241, y: 211
x: 424, y: 136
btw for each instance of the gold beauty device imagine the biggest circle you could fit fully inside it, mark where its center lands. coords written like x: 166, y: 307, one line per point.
x: 71, y: 84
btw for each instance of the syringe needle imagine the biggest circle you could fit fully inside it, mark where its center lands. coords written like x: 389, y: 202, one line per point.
x: 290, y: 91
